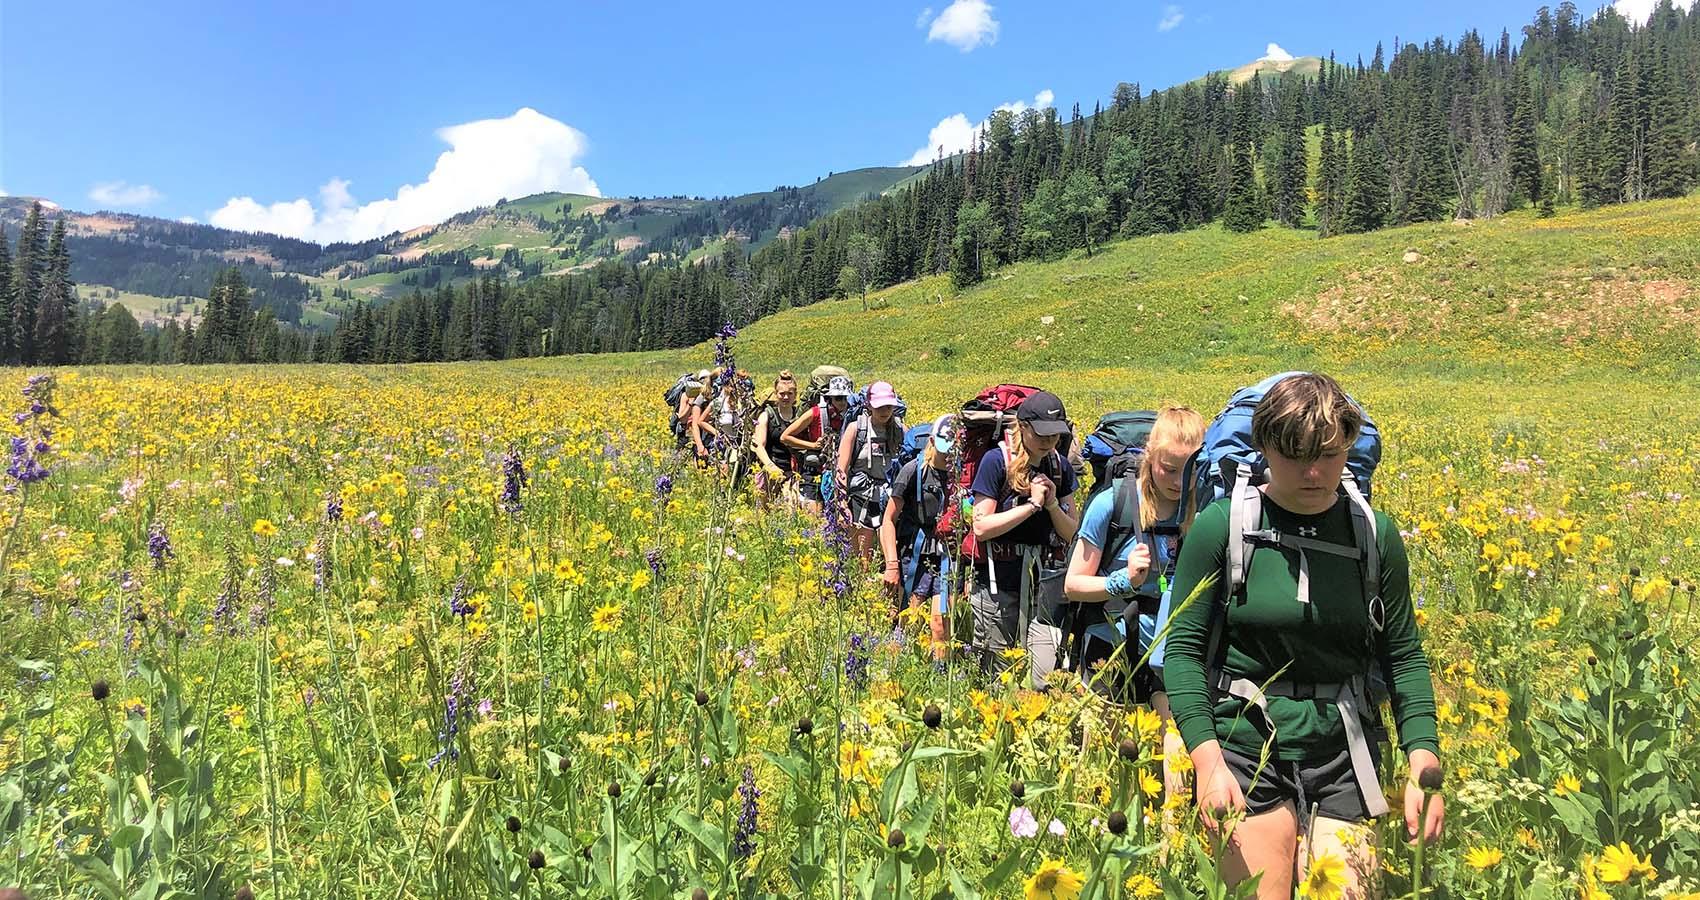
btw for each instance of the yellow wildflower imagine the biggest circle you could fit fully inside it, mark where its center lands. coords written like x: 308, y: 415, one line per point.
x: 1325, y: 879
x: 1619, y: 864
x: 605, y: 618
x: 1143, y: 885
x: 1567, y: 784
x: 1054, y: 881
x: 1483, y: 858
x: 264, y: 527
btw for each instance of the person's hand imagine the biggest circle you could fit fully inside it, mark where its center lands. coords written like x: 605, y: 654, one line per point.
x: 1039, y: 491
x: 773, y: 472
x: 892, y: 580
x: 1434, y: 825
x: 1219, y: 793
x: 1138, y: 564
x: 1174, y: 777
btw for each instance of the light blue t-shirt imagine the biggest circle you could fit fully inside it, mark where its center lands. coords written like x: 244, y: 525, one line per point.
x: 1095, y: 529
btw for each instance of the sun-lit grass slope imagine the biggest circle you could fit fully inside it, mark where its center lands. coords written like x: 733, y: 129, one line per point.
x: 1611, y: 288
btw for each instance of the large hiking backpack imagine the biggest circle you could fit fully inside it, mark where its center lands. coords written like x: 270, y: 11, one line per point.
x: 672, y: 395
x: 1228, y: 439
x: 819, y: 378
x: 915, y: 440
x: 981, y: 425
x: 1114, y: 448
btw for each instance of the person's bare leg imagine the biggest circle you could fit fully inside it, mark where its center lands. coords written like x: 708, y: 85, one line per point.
x: 1265, y: 843
x: 1353, y: 843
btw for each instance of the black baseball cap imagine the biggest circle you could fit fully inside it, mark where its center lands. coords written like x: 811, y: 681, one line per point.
x: 1044, y: 413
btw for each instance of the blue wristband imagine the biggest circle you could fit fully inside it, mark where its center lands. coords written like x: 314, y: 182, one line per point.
x: 1118, y: 585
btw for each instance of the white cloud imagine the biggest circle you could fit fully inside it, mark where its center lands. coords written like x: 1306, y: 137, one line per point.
x: 188, y: 220
x: 1172, y: 17
x: 525, y: 153
x: 925, y: 17
x: 1275, y: 54
x: 117, y: 194
x: 955, y: 133
x: 965, y: 24
x: 1639, y: 11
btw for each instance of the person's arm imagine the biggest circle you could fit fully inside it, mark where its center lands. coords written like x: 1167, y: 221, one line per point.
x: 1405, y: 667
x: 699, y: 425
x: 846, y: 450
x: 1184, y: 662
x: 760, y: 441
x: 990, y: 524
x: 1061, y: 512
x: 892, y: 574
x: 793, y: 435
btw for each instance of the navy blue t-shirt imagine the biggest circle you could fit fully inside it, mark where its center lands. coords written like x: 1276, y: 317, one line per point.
x: 991, y: 480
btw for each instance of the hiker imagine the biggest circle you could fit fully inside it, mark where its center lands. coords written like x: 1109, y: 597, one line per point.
x: 807, y: 437
x: 716, y: 421
x: 869, y: 443
x: 916, y: 562
x: 778, y: 473
x: 1023, y: 496
x: 1130, y: 538
x: 681, y: 402
x: 1311, y: 600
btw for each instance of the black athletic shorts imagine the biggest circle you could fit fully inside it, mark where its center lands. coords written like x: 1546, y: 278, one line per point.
x: 1328, y: 783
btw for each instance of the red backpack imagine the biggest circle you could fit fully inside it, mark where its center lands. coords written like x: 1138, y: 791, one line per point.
x: 982, y: 424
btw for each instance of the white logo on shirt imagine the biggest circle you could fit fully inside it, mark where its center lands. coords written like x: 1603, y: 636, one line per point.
x: 1307, y: 531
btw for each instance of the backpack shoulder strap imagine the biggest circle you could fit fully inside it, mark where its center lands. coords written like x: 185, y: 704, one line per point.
x: 1124, y: 516
x: 1245, y: 514
x: 1368, y: 540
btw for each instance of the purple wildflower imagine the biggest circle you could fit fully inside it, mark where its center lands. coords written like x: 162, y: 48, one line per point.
x: 159, y: 546
x: 458, y: 603
x: 663, y: 487
x: 656, y: 564
x: 453, y: 708
x: 333, y: 508
x: 743, y: 839
x: 856, y: 662
x: 28, y: 449
x: 513, y: 480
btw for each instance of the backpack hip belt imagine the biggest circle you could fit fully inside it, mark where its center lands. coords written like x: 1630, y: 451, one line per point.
x: 1351, y: 698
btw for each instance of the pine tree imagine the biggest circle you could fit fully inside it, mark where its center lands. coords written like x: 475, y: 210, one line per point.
x: 1667, y: 170
x: 55, y: 338
x: 1244, y: 211
x: 1626, y: 156
x: 29, y: 266
x: 1292, y: 168
x: 1329, y: 187
x: 1525, y: 160
x: 7, y: 343
x: 1366, y: 186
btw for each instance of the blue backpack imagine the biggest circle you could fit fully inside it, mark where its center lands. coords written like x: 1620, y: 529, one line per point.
x: 1227, y: 447
x: 914, y: 442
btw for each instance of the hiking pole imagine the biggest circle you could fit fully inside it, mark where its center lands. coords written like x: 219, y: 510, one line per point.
x: 1429, y: 781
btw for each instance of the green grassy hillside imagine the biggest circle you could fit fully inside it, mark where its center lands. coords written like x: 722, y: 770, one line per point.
x: 1611, y: 288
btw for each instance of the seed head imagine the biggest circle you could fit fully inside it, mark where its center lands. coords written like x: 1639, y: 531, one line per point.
x: 535, y: 861
x: 931, y: 717
x: 1118, y: 823
x: 513, y: 824
x: 1018, y: 790
x: 1129, y: 749
x: 100, y: 690
x: 895, y: 839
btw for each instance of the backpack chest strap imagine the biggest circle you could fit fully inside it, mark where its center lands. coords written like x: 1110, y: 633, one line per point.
x: 1352, y: 700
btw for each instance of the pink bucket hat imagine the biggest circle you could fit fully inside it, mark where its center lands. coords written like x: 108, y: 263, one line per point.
x: 881, y: 393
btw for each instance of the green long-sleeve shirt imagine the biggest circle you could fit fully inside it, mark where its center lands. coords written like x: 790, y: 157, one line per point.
x: 1324, y: 642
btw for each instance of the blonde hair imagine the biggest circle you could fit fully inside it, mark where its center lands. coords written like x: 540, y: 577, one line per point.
x: 1178, y: 428
x: 1306, y: 417
x: 1018, y: 469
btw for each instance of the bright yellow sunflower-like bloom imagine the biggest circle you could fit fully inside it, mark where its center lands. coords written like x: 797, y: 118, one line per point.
x: 1054, y: 881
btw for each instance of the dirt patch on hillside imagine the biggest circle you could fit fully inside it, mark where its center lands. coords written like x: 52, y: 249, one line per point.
x: 629, y: 242
x: 98, y: 224
x: 1568, y: 309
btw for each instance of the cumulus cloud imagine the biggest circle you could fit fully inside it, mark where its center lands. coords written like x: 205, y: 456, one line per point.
x: 965, y: 24
x: 1639, y: 11
x: 1274, y: 53
x: 118, y: 194
x: 955, y: 133
x: 525, y: 153
x: 1172, y: 17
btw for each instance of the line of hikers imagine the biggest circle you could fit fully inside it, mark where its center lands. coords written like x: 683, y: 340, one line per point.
x: 1272, y: 676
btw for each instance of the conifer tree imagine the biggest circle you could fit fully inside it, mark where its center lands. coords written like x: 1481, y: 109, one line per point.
x: 1244, y: 211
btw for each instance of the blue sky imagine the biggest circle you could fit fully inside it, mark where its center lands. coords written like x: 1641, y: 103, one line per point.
x: 332, y: 119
